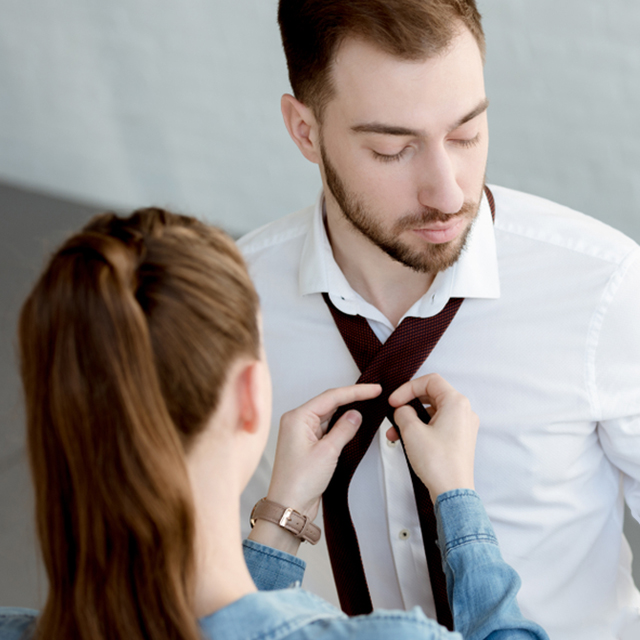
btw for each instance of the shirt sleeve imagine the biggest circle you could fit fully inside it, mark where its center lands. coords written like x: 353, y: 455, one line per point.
x: 613, y: 369
x: 481, y: 586
x: 271, y: 568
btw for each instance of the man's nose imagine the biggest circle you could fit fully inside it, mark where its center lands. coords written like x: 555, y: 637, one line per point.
x: 438, y: 187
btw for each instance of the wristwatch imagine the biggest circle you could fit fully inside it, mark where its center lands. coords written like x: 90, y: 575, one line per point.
x: 286, y: 517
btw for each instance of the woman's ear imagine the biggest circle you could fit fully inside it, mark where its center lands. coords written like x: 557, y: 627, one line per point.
x: 250, y: 398
x: 302, y: 127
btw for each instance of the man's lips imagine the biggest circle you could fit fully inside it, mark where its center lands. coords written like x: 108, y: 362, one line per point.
x: 440, y: 232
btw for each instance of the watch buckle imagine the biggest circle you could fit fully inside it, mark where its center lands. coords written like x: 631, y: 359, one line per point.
x: 286, y: 516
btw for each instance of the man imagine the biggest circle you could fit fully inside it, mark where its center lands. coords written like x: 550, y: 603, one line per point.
x: 390, y: 103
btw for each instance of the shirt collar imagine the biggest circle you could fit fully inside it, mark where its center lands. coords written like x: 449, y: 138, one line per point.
x: 474, y: 275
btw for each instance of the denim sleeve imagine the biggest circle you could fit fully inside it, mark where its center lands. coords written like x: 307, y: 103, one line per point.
x: 481, y: 586
x: 17, y: 623
x: 270, y: 568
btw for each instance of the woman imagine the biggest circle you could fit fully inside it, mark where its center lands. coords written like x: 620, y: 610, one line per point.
x: 148, y: 406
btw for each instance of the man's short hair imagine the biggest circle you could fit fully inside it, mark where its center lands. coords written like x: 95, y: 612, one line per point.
x: 313, y: 30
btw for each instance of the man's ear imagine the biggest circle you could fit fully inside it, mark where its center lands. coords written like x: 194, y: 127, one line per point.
x: 248, y: 396
x: 302, y: 127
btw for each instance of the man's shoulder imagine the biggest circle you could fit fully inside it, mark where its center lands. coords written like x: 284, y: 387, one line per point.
x: 291, y: 228
x: 541, y: 220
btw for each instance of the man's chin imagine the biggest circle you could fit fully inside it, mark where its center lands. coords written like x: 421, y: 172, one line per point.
x: 431, y: 257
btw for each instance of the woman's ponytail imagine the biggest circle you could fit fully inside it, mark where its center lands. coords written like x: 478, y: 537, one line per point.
x: 106, y: 434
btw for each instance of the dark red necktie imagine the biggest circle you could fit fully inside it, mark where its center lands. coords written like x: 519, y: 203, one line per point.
x: 391, y: 365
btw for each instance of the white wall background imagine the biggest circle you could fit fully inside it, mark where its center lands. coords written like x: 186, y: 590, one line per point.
x: 564, y: 80
x: 131, y: 102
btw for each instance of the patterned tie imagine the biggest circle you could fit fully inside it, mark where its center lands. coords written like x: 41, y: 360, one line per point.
x: 391, y: 365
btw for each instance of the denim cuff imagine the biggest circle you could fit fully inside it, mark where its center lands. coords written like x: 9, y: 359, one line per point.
x: 462, y: 519
x: 271, y: 568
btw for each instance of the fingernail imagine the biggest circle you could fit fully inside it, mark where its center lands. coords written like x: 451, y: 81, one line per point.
x: 353, y: 417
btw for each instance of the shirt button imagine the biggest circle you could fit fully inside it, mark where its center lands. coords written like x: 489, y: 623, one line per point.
x: 391, y: 443
x: 405, y: 534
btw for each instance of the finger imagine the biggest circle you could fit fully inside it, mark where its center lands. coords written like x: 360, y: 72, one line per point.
x: 406, y: 416
x: 392, y: 434
x: 343, y: 430
x: 430, y: 389
x: 408, y: 391
x: 326, y: 403
x: 411, y: 427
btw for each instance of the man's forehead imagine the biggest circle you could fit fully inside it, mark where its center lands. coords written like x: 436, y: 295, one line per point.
x: 372, y: 86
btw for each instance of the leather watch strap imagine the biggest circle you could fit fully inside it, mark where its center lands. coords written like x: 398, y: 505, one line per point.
x: 287, y: 518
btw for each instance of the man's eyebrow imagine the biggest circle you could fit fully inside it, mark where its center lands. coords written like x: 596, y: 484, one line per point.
x: 386, y: 129
x: 481, y: 108
x: 393, y: 130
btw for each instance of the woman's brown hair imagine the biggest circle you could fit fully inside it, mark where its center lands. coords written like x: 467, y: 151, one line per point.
x: 125, y: 342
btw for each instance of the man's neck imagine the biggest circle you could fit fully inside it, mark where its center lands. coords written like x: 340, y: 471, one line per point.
x: 388, y: 285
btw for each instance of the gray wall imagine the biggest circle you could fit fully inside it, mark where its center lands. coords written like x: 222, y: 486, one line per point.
x: 132, y: 102
x: 32, y: 225
x: 564, y: 80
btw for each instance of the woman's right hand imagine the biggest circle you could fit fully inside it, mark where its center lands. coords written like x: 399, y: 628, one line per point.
x: 306, y: 455
x: 441, y: 452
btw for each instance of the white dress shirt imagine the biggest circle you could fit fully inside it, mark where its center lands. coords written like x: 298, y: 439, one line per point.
x: 546, y: 346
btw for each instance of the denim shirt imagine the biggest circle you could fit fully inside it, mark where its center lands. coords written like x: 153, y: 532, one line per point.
x: 482, y: 591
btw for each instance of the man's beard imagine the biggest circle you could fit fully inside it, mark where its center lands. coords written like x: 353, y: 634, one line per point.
x: 432, y: 258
